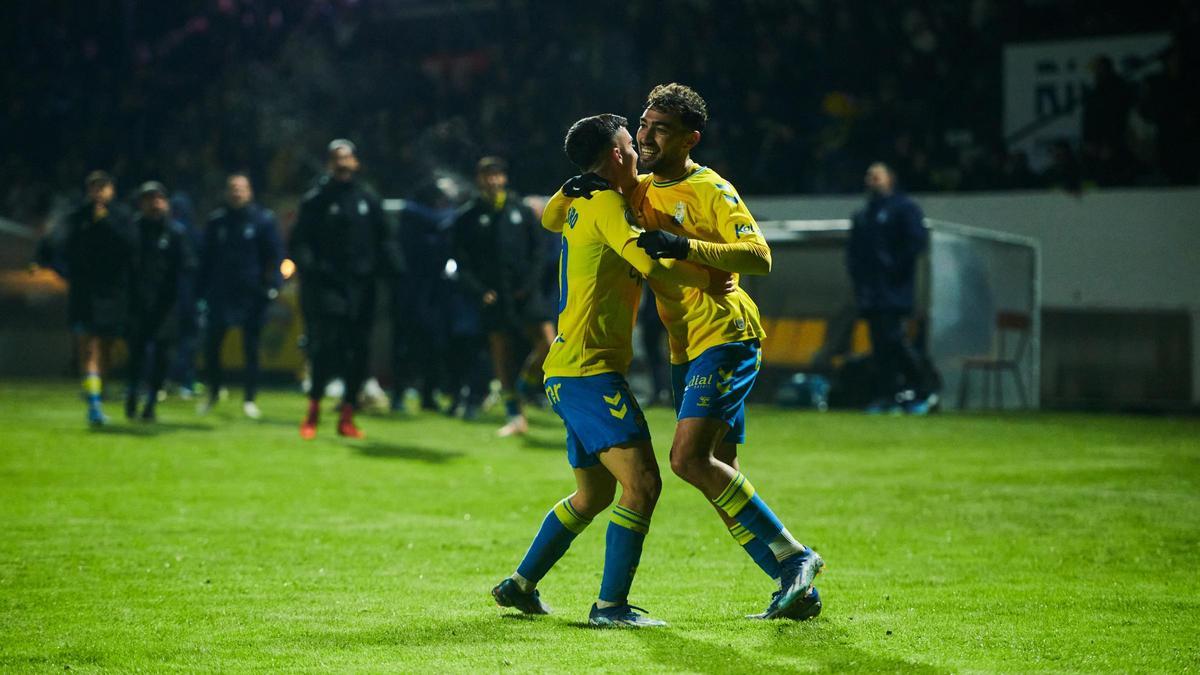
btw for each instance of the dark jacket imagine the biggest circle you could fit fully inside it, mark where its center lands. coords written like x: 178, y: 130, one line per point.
x: 95, y: 255
x: 500, y: 250
x: 341, y: 242
x: 162, y: 256
x: 239, y: 263
x: 886, y: 238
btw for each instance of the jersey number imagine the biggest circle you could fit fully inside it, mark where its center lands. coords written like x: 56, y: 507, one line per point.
x: 562, y: 277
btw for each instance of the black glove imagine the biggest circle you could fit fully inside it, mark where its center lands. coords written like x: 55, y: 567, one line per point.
x: 584, y: 186
x: 660, y: 244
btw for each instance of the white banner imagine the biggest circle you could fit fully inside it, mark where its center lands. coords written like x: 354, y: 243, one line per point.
x: 1044, y: 84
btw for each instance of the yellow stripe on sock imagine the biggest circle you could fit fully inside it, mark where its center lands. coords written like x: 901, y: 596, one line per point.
x: 91, y: 385
x: 569, y: 517
x: 630, y: 520
x: 735, y: 497
x: 740, y: 534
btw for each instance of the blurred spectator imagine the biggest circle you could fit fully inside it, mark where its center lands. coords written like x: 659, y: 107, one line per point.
x: 342, y: 244
x: 162, y: 256
x: 239, y: 276
x: 420, y: 298
x: 1177, y: 126
x: 499, y: 247
x: 886, y: 239
x: 1106, y: 109
x: 93, y: 249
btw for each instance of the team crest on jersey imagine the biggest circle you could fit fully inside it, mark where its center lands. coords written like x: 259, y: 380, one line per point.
x: 680, y: 212
x: 515, y: 217
x: 485, y: 220
x: 362, y: 207
x: 739, y: 324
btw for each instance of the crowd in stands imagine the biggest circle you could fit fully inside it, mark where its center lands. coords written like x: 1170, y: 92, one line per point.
x: 804, y: 93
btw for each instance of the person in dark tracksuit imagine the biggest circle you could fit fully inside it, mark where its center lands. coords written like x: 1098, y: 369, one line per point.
x: 341, y: 243
x: 239, y: 276
x: 420, y: 325
x: 162, y: 255
x: 886, y: 239
x: 499, y: 248
x: 92, y: 248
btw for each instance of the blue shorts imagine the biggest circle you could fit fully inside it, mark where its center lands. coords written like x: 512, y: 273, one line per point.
x: 716, y: 383
x: 599, y: 412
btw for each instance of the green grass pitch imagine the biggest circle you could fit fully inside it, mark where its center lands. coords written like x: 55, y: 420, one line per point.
x: 954, y: 543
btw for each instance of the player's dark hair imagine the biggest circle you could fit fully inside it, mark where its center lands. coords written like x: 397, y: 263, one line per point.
x: 682, y: 101
x: 591, y: 137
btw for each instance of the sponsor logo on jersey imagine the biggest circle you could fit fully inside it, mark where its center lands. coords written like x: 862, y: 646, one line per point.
x: 680, y: 212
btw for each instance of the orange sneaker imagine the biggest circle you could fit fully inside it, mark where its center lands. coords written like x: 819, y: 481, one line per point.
x: 308, y: 428
x: 346, y: 423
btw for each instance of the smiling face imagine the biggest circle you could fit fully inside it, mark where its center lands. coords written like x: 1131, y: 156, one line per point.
x: 664, y: 143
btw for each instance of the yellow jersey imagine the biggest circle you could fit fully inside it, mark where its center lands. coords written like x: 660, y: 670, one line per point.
x: 705, y: 208
x: 600, y: 271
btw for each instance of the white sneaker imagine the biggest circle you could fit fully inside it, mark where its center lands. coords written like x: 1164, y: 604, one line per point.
x: 515, y: 427
x: 251, y: 410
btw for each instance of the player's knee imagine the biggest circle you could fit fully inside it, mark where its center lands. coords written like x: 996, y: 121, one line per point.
x: 591, y: 504
x: 687, y: 465
x: 648, y: 487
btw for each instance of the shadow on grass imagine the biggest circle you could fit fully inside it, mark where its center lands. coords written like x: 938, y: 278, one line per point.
x: 477, y: 631
x: 149, y: 429
x: 542, y: 443
x: 811, y: 645
x: 382, y: 450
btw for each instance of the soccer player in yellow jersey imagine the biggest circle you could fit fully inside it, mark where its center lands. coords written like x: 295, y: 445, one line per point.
x: 600, y: 275
x: 691, y: 213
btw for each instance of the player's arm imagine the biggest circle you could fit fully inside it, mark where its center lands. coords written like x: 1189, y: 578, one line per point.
x: 554, y: 215
x: 622, y: 235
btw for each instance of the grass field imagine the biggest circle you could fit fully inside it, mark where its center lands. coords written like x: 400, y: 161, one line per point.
x: 954, y: 543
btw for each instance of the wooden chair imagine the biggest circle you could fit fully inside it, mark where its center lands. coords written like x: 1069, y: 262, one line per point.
x: 1000, y: 360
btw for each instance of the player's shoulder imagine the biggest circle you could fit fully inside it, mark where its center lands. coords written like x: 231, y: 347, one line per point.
x: 707, y: 180
x: 604, y: 208
x: 599, y: 201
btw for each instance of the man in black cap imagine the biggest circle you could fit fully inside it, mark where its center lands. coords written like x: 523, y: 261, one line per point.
x: 239, y: 276
x: 341, y: 243
x: 162, y: 254
x: 93, y: 250
x: 499, y: 247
